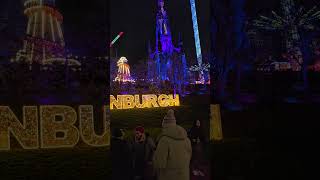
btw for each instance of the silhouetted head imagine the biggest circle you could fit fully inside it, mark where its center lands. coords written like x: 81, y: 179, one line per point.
x: 197, y: 123
x: 169, y: 119
x: 117, y: 133
x: 139, y: 133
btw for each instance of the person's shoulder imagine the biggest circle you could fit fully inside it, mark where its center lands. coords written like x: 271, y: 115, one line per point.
x: 181, y: 128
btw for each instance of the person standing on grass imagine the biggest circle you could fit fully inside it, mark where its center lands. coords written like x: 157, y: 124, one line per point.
x: 199, y: 167
x: 143, y: 148
x: 173, y: 153
x: 196, y: 133
x: 121, y: 157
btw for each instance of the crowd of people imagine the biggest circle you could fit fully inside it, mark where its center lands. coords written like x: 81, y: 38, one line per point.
x: 176, y: 154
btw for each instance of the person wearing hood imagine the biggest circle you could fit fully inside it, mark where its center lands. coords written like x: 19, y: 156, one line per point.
x: 173, y: 154
x: 121, y: 156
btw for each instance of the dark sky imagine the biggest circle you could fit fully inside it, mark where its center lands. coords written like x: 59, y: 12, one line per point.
x: 85, y: 26
x: 13, y: 26
x: 137, y: 20
x: 254, y: 7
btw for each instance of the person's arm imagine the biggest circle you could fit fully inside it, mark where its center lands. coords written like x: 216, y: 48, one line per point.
x: 132, y: 151
x: 204, y: 139
x: 189, y: 148
x: 161, y: 154
x: 189, y: 132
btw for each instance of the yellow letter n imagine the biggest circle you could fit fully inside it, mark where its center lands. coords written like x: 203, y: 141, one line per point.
x: 26, y: 133
x: 116, y: 102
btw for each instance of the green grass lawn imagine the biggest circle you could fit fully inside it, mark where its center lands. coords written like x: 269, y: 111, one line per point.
x: 77, y: 163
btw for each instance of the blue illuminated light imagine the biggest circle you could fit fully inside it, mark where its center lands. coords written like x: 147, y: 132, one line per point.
x: 196, y: 34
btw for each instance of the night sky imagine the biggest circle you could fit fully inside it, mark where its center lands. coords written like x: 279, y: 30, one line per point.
x: 255, y: 7
x: 137, y: 20
x: 86, y: 24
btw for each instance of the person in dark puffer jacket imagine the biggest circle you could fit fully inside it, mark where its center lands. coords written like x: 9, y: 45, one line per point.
x: 121, y: 157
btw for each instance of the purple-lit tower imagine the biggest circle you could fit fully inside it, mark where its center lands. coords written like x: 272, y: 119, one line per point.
x: 167, y: 62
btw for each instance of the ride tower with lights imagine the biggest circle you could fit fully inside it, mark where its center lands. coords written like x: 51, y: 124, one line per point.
x: 123, y: 74
x: 44, y: 42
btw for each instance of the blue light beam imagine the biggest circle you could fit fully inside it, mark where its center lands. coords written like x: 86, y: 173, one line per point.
x: 196, y: 35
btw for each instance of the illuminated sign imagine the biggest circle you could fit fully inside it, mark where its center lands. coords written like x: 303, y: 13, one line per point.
x: 143, y: 101
x: 215, y: 123
x: 56, y: 128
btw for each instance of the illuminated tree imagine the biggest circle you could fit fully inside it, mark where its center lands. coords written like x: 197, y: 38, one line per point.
x: 291, y: 22
x: 154, y: 89
x: 200, y: 69
x: 298, y: 26
x: 229, y: 41
x: 140, y: 70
